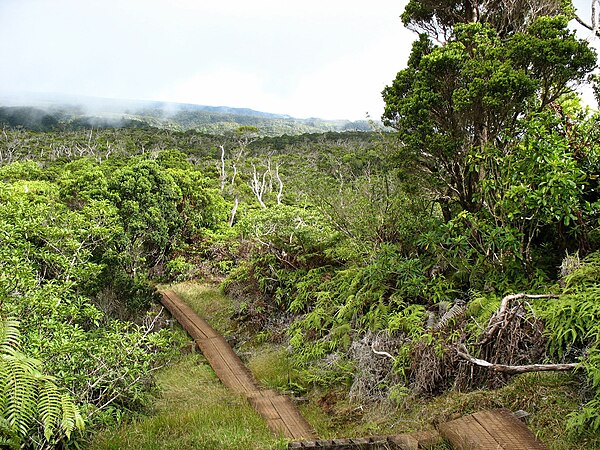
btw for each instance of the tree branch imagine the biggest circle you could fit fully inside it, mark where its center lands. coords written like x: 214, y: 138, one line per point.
x: 512, y: 370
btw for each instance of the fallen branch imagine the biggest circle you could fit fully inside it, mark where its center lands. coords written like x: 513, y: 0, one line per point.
x: 512, y: 370
x: 498, y: 319
x: 377, y: 352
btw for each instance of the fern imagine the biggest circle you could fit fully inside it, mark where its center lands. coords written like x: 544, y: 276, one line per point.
x: 27, y: 396
x: 9, y: 336
x: 573, y: 330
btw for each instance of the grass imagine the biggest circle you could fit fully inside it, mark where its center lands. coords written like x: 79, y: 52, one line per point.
x: 195, y: 411
x: 272, y: 367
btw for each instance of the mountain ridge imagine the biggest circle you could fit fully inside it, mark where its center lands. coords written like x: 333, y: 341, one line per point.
x: 44, y: 112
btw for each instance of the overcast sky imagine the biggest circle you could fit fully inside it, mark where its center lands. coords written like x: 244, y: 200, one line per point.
x: 311, y: 58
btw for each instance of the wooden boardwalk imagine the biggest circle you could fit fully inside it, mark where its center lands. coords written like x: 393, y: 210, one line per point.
x: 485, y: 430
x: 280, y: 413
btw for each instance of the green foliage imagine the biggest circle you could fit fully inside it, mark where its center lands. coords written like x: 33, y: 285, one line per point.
x: 29, y: 399
x: 573, y: 331
x: 145, y: 197
x: 472, y: 92
x: 439, y: 17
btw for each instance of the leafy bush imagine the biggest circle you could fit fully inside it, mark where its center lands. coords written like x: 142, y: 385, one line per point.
x: 573, y: 332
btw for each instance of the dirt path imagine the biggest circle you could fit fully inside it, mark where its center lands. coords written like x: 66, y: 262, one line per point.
x: 279, y: 411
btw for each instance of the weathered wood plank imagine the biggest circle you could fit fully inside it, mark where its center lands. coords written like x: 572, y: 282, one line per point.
x: 509, y: 431
x: 279, y: 411
x: 291, y: 416
x: 497, y: 429
x: 468, y: 434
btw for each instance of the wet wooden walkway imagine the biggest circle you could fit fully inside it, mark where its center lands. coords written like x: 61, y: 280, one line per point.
x: 280, y: 413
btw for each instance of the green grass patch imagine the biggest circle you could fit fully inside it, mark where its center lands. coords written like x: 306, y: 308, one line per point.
x: 272, y: 367
x: 209, y: 303
x: 194, y: 411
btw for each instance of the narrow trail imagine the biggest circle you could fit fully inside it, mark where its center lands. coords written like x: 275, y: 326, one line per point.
x: 485, y: 430
x: 280, y: 413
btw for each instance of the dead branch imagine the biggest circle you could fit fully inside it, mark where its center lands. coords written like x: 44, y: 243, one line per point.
x: 594, y: 27
x: 500, y: 317
x: 377, y: 352
x: 513, y: 370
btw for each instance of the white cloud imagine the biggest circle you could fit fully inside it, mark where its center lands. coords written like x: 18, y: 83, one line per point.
x: 312, y: 58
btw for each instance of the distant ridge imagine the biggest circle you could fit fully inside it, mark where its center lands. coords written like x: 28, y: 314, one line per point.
x: 43, y: 112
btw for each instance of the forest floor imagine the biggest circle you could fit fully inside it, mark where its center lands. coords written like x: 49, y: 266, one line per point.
x: 196, y: 411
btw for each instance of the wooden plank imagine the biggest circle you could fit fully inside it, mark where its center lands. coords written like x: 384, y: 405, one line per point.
x: 189, y: 314
x: 184, y: 315
x: 235, y: 364
x: 405, y: 441
x: 278, y: 427
x: 498, y: 429
x: 468, y: 434
x: 264, y: 407
x: 220, y: 366
x: 509, y: 431
x: 428, y: 438
x: 280, y: 412
x: 299, y: 427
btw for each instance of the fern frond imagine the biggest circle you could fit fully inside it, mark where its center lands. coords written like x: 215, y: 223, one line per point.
x: 19, y: 392
x: 10, y: 336
x: 71, y: 417
x: 49, y: 407
x: 27, y: 395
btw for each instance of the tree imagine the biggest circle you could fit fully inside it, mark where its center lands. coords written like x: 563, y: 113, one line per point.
x: 475, y: 91
x: 146, y: 198
x: 438, y: 18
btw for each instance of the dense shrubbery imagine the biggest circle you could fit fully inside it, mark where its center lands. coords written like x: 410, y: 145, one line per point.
x: 79, y: 242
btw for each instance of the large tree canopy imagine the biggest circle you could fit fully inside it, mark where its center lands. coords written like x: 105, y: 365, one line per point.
x: 438, y: 17
x: 456, y: 99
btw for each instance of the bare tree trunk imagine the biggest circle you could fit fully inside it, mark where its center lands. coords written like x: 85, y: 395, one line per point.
x: 258, y: 185
x: 222, y: 174
x: 236, y: 203
x: 234, y: 173
x: 594, y: 27
x: 280, y: 192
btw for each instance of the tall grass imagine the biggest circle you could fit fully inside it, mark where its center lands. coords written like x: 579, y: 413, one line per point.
x: 195, y: 411
x: 209, y: 303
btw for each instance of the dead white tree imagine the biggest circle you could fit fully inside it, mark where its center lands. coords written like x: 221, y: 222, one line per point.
x: 236, y: 203
x: 280, y: 182
x: 258, y: 184
x: 222, y: 173
x: 223, y: 178
x: 11, y: 144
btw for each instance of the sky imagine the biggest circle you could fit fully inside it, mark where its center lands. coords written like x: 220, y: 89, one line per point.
x: 315, y: 58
